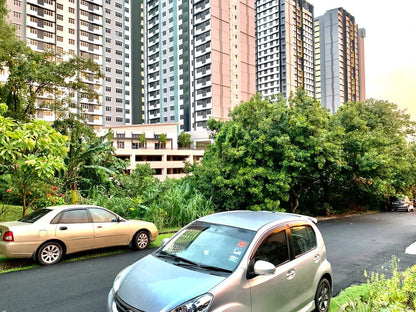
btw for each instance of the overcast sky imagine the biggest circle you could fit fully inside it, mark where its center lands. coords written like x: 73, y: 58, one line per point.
x: 390, y: 46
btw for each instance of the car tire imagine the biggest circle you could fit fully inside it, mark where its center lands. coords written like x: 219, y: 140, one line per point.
x: 323, y: 296
x: 141, y: 240
x: 50, y: 253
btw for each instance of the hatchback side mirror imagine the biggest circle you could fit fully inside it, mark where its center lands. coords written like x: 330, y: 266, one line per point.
x: 263, y: 268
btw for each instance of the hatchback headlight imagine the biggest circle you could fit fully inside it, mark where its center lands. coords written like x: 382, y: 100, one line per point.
x: 120, y: 277
x: 198, y: 304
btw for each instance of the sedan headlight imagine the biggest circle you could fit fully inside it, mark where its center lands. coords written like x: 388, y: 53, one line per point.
x: 198, y: 304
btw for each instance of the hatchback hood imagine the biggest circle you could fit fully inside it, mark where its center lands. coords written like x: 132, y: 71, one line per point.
x: 156, y: 285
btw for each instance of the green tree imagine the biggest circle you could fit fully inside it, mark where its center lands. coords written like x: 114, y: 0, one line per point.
x: 184, y: 140
x: 33, y: 76
x: 378, y: 156
x: 243, y: 168
x: 30, y: 154
x: 315, y: 156
x: 272, y: 155
x: 90, y: 160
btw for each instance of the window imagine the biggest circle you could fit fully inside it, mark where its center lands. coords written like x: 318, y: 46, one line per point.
x: 274, y: 249
x: 304, y: 239
x: 101, y: 215
x: 74, y: 216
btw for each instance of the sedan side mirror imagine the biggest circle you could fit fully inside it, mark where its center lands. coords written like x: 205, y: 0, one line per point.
x: 263, y: 268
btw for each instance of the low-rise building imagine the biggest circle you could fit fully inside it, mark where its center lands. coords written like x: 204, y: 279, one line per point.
x: 156, y: 145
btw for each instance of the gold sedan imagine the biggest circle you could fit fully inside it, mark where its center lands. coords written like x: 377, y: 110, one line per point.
x: 48, y: 234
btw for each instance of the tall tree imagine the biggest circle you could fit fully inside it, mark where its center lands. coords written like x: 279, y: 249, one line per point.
x: 90, y: 160
x: 377, y: 151
x: 33, y: 75
x: 30, y: 153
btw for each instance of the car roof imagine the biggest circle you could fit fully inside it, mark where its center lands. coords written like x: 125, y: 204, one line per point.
x: 252, y: 220
x: 62, y: 207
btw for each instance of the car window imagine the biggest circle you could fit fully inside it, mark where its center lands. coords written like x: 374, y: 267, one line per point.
x: 274, y: 249
x: 304, y: 239
x: 101, y: 215
x: 210, y: 244
x: 74, y: 216
x: 35, y: 216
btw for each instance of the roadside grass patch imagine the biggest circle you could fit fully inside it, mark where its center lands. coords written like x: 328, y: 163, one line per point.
x: 11, y: 265
x: 380, y: 294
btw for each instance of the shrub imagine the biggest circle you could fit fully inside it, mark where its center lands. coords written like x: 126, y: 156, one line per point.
x: 381, y: 294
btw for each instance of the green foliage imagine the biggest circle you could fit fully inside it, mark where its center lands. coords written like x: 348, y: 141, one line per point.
x: 30, y: 154
x: 174, y: 203
x: 32, y: 75
x: 184, y: 140
x: 378, y: 158
x: 90, y: 159
x: 394, y: 294
x: 135, y: 183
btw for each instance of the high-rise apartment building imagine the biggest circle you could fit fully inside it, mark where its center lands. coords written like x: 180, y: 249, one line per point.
x: 98, y: 29
x: 284, y: 47
x: 339, y: 53
x: 200, y: 60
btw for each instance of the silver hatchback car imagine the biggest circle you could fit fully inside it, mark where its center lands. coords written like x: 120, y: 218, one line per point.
x: 231, y: 261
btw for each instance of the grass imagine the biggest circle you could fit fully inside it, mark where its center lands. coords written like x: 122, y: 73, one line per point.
x: 348, y: 295
x: 11, y: 265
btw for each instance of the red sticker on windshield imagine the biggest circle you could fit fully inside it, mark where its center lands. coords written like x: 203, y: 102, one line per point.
x: 242, y: 244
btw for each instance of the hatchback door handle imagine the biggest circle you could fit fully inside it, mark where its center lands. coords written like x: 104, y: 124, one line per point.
x: 316, y: 258
x: 290, y: 274
x: 99, y: 226
x: 63, y: 228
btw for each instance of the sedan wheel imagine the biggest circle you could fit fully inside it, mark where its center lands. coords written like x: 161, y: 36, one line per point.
x: 50, y: 253
x: 323, y: 296
x: 141, y: 240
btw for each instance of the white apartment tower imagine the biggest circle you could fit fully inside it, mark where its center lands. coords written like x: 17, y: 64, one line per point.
x: 284, y: 47
x: 98, y: 29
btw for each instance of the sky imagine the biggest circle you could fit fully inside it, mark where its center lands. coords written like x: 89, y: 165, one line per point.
x: 390, y: 46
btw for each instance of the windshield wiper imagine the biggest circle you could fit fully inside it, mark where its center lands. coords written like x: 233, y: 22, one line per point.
x: 213, y: 268
x: 164, y: 254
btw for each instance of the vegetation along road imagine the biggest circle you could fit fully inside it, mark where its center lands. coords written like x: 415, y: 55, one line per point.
x: 354, y: 245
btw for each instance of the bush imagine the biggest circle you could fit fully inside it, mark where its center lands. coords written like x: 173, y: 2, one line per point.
x: 381, y: 294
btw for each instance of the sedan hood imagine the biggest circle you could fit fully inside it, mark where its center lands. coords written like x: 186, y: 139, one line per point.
x: 156, y: 285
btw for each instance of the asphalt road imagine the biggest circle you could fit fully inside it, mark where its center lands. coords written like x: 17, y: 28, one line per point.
x: 354, y: 244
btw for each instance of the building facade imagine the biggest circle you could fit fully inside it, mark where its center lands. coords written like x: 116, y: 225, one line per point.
x: 142, y: 144
x: 284, y: 47
x: 200, y: 60
x: 98, y: 29
x: 340, y: 67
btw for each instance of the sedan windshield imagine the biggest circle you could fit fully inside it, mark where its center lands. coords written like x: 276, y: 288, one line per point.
x: 207, y: 246
x: 34, y: 216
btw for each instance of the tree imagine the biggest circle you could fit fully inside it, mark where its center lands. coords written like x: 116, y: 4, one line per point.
x: 242, y: 169
x: 184, y: 140
x: 378, y: 156
x: 30, y: 154
x: 316, y: 150
x: 33, y: 75
x: 271, y: 154
x: 90, y: 160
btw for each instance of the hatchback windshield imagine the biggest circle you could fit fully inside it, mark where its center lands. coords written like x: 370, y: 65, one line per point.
x: 209, y: 246
x: 34, y: 216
